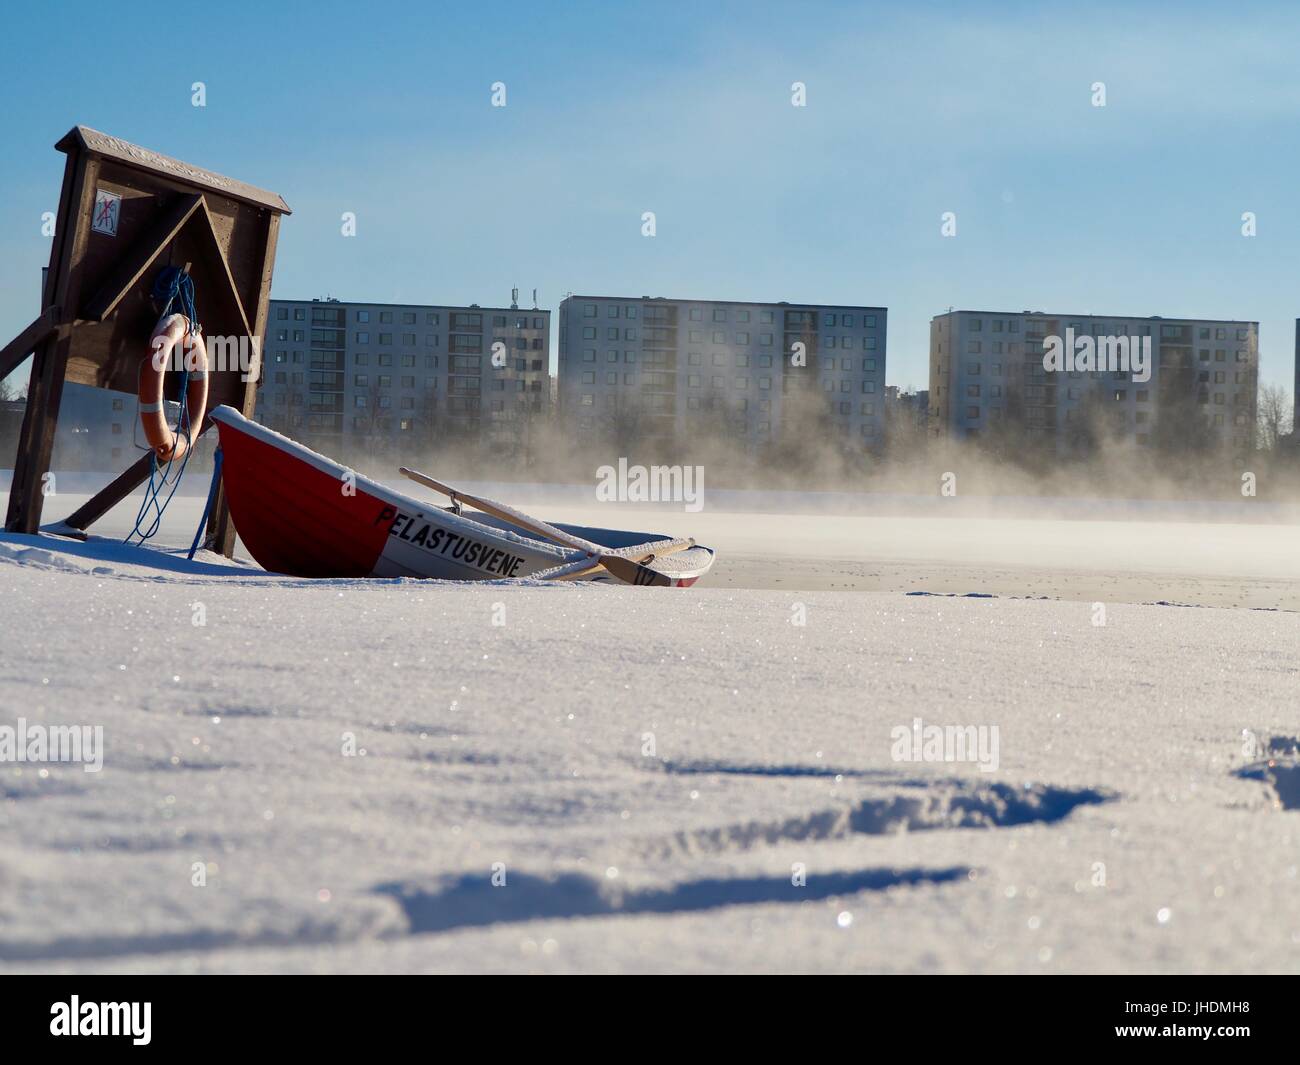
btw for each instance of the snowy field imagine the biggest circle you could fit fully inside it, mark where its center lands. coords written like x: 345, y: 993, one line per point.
x: 649, y: 770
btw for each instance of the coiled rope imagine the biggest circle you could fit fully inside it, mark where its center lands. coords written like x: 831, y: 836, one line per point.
x: 173, y: 288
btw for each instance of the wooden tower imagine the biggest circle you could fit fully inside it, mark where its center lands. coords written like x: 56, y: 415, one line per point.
x: 124, y: 213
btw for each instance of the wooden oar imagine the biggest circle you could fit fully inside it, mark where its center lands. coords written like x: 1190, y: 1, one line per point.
x: 657, y: 548
x: 625, y: 569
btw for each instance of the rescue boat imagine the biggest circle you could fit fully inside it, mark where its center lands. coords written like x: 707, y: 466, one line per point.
x: 302, y: 514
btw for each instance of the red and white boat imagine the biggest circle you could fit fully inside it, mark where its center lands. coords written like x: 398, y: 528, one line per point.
x: 302, y: 514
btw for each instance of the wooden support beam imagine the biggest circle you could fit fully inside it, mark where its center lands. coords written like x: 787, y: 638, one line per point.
x: 25, y: 342
x: 62, y: 235
x: 221, y: 531
x: 210, y: 232
x: 110, y: 496
x: 143, y: 254
x: 49, y: 369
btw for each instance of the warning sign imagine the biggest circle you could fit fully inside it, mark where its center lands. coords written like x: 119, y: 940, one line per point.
x: 108, y: 206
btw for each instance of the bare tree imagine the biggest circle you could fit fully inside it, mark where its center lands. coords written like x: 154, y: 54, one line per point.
x: 906, y: 424
x: 428, y: 420
x: 1274, y: 419
x: 623, y: 423
x: 531, y: 410
x: 806, y: 444
x: 375, y: 440
x: 1182, y: 428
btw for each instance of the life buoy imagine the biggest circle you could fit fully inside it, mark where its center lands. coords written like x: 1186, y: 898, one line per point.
x: 173, y: 330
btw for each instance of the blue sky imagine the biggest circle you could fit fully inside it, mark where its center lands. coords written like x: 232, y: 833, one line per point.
x: 684, y: 110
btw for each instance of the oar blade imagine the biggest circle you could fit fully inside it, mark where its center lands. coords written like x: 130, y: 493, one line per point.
x: 630, y: 572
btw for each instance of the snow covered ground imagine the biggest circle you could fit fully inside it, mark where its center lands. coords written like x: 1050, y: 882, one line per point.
x: 648, y: 771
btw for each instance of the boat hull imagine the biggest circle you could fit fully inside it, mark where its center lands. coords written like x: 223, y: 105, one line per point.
x: 302, y: 514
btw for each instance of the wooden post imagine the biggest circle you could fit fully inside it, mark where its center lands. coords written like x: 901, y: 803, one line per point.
x: 221, y: 534
x: 49, y: 366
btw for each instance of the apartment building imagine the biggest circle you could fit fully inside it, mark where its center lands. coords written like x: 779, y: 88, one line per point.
x: 987, y: 372
x: 667, y: 365
x: 348, y: 377
x: 99, y: 431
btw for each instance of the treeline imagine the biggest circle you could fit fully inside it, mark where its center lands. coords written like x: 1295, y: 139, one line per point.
x: 811, y: 450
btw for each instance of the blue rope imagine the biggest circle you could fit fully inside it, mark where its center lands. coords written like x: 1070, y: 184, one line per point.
x: 158, y: 481
x: 170, y: 287
x: 207, y: 507
x: 173, y: 286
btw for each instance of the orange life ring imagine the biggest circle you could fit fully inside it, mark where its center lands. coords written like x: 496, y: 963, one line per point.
x: 171, y: 331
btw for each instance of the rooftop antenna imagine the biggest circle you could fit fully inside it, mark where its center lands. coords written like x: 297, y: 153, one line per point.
x: 534, y: 299
x: 514, y: 299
